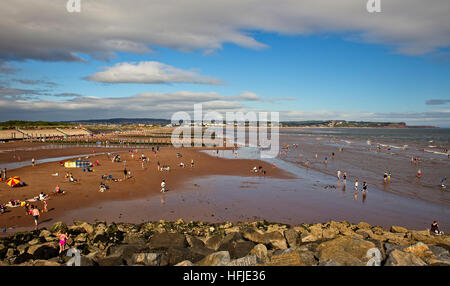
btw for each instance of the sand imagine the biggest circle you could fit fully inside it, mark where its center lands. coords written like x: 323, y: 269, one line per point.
x: 85, y: 192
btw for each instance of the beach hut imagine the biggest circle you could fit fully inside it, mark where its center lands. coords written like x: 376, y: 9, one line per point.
x: 70, y: 164
x: 13, y: 181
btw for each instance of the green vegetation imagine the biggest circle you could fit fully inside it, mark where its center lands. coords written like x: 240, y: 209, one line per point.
x: 32, y: 124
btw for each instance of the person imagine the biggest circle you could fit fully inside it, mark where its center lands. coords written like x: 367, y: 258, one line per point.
x: 163, y: 186
x: 192, y: 163
x: 356, y: 185
x: 102, y: 187
x: 159, y: 165
x: 182, y: 165
x: 364, y: 188
x: 45, y: 206
x: 125, y: 173
x: 35, y: 213
x: 385, y: 177
x: 62, y: 241
x: 344, y: 178
x: 435, y: 228
x: 41, y: 196
x: 316, y: 156
x: 339, y: 175
x: 4, y: 174
x: 326, y: 161
x: 443, y: 183
x: 57, y: 190
x: 33, y: 162
x: 419, y: 174
x: 389, y: 176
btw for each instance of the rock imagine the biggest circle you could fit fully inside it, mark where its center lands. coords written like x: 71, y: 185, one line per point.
x: 44, y: 251
x: 85, y: 261
x: 400, y: 258
x: 40, y: 262
x: 260, y: 250
x: 147, y: 259
x: 81, y: 238
x: 221, y: 258
x: 21, y: 258
x: 250, y: 260
x: 194, y: 242
x: 10, y: 252
x: 34, y: 241
x: 275, y: 238
x: 292, y: 238
x: 237, y: 249
x: 100, y: 236
x: 22, y: 248
x: 45, y: 233
x: 345, y: 250
x: 330, y: 233
x: 293, y: 258
x: 398, y: 229
x: 214, y: 242
x: 438, y: 251
x: 59, y: 226
x: 167, y: 240
x: 420, y: 250
x: 363, y: 225
x: 125, y: 251
x: 111, y: 261
x: 87, y: 227
x: 185, y: 263
x: 176, y: 255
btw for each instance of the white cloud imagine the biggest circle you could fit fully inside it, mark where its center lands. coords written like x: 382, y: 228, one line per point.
x: 149, y: 72
x: 44, y: 30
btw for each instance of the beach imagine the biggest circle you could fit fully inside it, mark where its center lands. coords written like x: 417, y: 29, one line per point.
x: 220, y: 186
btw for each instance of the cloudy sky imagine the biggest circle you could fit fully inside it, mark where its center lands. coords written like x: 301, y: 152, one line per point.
x: 307, y: 59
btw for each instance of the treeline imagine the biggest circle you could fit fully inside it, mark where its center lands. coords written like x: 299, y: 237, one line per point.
x: 32, y: 124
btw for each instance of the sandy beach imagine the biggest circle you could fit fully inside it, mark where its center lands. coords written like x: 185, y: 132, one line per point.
x: 85, y: 193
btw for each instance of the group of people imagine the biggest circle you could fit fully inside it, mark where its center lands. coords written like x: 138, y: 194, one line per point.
x: 258, y: 170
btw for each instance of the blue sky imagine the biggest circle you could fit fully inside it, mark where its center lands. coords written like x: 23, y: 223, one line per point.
x: 315, y: 75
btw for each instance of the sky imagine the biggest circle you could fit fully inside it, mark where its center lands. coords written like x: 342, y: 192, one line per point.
x: 306, y: 59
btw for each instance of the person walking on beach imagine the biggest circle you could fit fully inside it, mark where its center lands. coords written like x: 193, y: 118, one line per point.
x: 339, y: 175
x: 163, y: 186
x: 356, y: 185
x: 125, y: 173
x: 4, y: 174
x: 159, y: 165
x: 419, y: 174
x: 192, y: 163
x: 45, y: 206
x: 364, y: 188
x: 385, y: 177
x: 33, y: 161
x: 443, y: 186
x: 35, y: 213
x: 344, y: 178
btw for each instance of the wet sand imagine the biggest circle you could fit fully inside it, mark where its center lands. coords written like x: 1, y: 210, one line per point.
x: 145, y: 182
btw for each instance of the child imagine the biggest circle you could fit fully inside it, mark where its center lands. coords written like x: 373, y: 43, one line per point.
x: 62, y: 241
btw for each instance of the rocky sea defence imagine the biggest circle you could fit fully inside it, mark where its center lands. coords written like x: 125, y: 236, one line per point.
x: 262, y: 243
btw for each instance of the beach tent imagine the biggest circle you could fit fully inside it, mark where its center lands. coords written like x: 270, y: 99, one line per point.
x: 13, y: 181
x: 70, y: 164
x: 83, y: 164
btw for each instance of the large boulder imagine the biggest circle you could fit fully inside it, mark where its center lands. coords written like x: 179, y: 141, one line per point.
x: 221, y: 258
x: 59, y: 227
x: 346, y: 250
x: 290, y: 257
x: 292, y: 238
x: 176, y: 255
x: 167, y: 240
x: 194, y: 242
x: 147, y: 259
x: 40, y: 262
x: 275, y: 238
x: 420, y: 250
x: 260, y: 250
x: 185, y: 263
x: 44, y: 251
x: 398, y: 229
x: 250, y: 260
x: 214, y: 242
x: 400, y: 258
